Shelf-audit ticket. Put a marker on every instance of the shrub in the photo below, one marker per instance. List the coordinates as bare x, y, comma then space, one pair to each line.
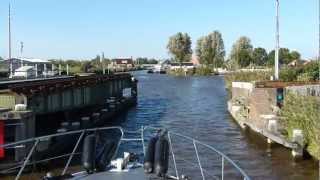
303, 112
289, 74
203, 71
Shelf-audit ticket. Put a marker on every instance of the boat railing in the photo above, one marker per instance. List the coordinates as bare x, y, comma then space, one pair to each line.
224, 158
35, 141
138, 137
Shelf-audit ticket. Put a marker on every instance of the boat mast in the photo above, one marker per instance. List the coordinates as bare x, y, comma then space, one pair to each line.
276, 62
9, 26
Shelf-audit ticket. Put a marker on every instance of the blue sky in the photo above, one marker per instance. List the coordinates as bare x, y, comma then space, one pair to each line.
121, 28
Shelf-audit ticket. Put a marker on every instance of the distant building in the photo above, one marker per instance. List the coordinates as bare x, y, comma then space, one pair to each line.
184, 65
41, 67
297, 62
122, 63
25, 72
195, 60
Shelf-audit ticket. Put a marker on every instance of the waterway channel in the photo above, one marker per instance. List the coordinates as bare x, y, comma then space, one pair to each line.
196, 106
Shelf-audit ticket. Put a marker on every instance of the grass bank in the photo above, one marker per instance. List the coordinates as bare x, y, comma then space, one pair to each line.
303, 112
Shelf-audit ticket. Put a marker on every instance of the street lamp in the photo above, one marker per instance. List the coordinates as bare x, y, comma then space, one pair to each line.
276, 62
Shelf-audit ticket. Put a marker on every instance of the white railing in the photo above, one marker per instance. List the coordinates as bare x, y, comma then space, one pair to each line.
140, 139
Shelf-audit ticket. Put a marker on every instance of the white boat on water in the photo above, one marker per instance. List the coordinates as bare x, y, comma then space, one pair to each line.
102, 154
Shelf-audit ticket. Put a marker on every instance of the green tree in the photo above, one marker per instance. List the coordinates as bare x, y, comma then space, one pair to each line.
259, 56
179, 46
1, 59
284, 56
295, 55
142, 60
199, 51
210, 49
241, 52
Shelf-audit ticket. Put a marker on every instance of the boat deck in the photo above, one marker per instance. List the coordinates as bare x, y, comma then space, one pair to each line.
132, 174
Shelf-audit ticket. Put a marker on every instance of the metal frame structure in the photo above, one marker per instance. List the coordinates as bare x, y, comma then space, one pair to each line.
22, 165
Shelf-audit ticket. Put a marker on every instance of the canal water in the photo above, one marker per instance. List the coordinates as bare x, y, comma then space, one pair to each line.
197, 107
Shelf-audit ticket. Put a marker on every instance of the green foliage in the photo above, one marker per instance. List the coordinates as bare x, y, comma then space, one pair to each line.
210, 50
1, 59
303, 112
144, 60
309, 72
241, 52
259, 56
285, 56
289, 74
295, 55
203, 71
179, 46
312, 69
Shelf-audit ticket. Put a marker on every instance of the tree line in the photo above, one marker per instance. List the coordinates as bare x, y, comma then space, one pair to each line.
210, 51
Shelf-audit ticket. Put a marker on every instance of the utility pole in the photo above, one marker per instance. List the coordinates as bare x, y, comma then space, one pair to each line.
276, 61
9, 43
103, 63
21, 52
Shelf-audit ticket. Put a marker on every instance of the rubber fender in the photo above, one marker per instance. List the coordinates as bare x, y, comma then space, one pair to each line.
149, 156
161, 157
89, 153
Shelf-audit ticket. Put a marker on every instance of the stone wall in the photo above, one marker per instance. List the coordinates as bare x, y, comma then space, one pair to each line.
241, 90
261, 103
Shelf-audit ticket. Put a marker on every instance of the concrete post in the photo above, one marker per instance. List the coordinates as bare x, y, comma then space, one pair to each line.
297, 137
273, 126
52, 69
59, 70
36, 70
67, 69
45, 70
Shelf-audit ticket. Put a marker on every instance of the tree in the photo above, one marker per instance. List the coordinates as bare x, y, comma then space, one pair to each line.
285, 56
179, 46
142, 60
210, 49
1, 59
241, 52
295, 55
259, 56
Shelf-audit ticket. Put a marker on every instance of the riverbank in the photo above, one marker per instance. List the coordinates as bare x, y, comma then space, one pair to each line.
196, 106
283, 112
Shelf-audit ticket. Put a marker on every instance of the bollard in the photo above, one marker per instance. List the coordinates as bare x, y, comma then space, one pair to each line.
104, 111
273, 126
112, 106
64, 125
297, 137
85, 122
75, 126
62, 130
95, 117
